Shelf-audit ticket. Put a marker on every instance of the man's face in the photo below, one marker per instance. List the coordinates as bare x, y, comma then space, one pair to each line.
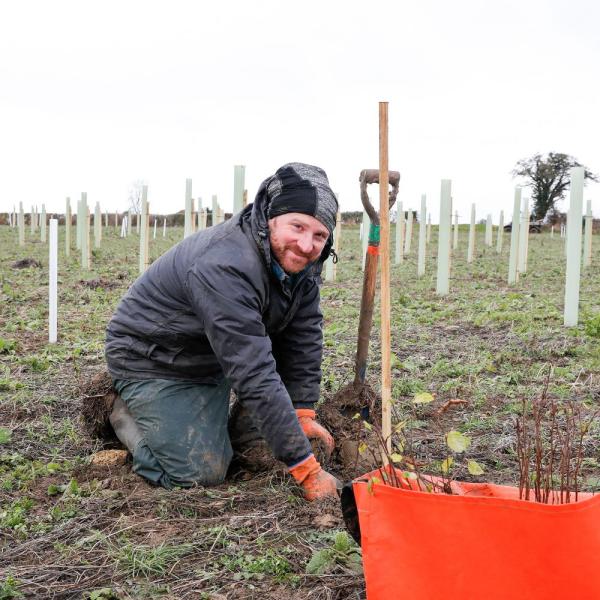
296, 240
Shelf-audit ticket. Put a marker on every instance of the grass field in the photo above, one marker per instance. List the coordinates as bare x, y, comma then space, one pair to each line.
71, 530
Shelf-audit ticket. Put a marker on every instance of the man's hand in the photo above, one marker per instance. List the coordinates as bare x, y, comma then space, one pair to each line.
315, 482
312, 429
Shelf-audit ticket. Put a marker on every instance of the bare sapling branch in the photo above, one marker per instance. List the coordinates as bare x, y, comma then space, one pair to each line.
551, 436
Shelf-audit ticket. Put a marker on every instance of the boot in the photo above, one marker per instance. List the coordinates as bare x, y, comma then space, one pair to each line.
124, 425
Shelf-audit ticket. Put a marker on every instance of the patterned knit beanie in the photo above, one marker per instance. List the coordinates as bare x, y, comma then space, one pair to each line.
301, 188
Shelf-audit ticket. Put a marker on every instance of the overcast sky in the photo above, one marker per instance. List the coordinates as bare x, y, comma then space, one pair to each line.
94, 96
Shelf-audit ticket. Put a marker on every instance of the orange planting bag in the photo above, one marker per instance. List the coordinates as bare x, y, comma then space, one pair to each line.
482, 542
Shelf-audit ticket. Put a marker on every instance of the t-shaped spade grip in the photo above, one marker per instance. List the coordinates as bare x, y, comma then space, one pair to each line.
372, 176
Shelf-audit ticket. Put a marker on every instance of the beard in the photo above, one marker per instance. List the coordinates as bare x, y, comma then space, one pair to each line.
290, 258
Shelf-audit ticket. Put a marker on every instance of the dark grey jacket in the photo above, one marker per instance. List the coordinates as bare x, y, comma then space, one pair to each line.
211, 307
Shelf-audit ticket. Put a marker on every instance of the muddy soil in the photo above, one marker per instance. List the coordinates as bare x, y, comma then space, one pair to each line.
26, 263
97, 397
344, 415
99, 283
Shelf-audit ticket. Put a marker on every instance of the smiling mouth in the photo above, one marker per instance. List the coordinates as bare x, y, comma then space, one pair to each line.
300, 258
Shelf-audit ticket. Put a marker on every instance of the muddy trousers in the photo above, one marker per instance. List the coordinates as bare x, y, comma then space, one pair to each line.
184, 431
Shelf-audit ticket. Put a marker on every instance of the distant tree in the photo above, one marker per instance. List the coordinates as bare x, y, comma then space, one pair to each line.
135, 196
352, 216
548, 177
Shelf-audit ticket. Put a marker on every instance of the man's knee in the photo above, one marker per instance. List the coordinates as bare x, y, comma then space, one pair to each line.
187, 468
206, 467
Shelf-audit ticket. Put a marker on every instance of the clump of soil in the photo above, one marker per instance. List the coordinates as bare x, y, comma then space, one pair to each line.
109, 458
251, 453
338, 416
251, 458
25, 263
94, 284
97, 398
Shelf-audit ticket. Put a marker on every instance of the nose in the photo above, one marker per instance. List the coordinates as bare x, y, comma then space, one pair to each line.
305, 243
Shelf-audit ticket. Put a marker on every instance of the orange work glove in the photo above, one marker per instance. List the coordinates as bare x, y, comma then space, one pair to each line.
315, 482
306, 418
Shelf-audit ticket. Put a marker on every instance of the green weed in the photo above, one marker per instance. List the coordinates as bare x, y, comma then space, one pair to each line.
250, 566
5, 435
102, 594
15, 515
592, 326
7, 346
16, 471
343, 554
36, 364
9, 588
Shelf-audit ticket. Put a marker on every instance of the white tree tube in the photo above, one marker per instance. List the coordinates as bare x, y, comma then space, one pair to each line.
455, 238
53, 282
21, 225
188, 227
68, 222
198, 213
488, 231
338, 229
513, 261
409, 228
571, 314
239, 173
399, 254
471, 247
587, 243
331, 271
83, 228
215, 210
78, 221
429, 228
97, 225
422, 238
43, 224
524, 237
143, 222
443, 270
500, 237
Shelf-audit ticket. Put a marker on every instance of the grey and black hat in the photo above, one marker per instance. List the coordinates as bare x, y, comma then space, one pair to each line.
302, 188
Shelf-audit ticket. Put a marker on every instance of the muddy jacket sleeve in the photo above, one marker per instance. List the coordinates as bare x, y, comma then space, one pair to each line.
230, 305
298, 351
